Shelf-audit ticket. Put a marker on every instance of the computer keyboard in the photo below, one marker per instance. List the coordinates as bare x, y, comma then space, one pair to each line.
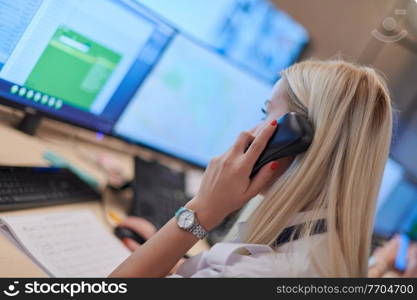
158, 192
24, 187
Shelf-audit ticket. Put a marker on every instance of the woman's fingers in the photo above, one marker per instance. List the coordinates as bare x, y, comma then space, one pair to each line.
259, 143
131, 244
257, 134
254, 131
262, 178
243, 141
141, 226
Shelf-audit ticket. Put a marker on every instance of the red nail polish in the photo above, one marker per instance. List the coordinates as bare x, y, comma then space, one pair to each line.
274, 123
274, 166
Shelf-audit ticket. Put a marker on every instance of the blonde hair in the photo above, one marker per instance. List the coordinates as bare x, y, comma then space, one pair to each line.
350, 109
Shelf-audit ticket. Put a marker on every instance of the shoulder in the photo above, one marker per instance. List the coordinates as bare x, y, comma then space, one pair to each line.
295, 259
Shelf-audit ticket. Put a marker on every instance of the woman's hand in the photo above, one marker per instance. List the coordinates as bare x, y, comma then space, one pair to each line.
226, 185
145, 229
141, 226
385, 260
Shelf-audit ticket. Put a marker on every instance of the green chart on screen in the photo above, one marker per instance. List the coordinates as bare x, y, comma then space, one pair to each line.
73, 67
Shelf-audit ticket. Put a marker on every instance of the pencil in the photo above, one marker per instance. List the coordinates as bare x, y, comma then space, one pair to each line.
115, 217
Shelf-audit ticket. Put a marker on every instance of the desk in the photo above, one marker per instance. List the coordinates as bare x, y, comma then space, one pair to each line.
20, 149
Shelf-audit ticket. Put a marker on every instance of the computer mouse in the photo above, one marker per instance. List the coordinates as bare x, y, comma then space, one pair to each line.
293, 136
124, 232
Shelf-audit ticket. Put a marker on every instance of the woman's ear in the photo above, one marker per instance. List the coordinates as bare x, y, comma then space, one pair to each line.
278, 105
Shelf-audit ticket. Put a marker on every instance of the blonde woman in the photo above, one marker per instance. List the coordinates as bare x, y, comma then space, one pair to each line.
335, 181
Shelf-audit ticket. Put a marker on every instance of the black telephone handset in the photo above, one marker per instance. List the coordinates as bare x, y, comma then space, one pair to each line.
293, 136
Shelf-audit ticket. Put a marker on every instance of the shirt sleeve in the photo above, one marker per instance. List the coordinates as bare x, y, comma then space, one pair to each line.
223, 261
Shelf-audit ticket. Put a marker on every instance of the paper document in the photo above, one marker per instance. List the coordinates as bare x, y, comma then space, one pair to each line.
66, 244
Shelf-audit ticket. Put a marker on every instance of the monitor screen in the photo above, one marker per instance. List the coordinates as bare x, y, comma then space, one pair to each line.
67, 60
132, 76
254, 33
393, 174
398, 214
397, 202
193, 104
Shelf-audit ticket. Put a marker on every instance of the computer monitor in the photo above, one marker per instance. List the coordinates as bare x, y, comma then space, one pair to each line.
398, 214
76, 61
397, 202
255, 33
394, 173
193, 104
114, 67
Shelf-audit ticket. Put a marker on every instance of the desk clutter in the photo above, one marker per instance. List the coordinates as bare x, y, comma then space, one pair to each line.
66, 244
35, 253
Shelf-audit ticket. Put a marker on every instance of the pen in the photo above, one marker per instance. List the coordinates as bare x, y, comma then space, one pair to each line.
115, 217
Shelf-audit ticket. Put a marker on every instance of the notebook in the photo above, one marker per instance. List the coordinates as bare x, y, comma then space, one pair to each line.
66, 244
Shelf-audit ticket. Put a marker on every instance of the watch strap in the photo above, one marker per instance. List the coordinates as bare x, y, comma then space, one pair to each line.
199, 231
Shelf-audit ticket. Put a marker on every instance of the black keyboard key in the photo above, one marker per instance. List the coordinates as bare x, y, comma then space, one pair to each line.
23, 187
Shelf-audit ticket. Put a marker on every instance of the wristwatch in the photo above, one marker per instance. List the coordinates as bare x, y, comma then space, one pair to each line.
187, 220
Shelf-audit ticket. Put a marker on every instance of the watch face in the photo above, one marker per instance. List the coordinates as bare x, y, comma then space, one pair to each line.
186, 219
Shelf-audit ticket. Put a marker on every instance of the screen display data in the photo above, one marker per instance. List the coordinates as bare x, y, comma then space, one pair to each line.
397, 203
254, 33
115, 67
193, 104
66, 58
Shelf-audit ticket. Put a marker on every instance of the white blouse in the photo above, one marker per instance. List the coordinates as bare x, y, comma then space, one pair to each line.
294, 259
